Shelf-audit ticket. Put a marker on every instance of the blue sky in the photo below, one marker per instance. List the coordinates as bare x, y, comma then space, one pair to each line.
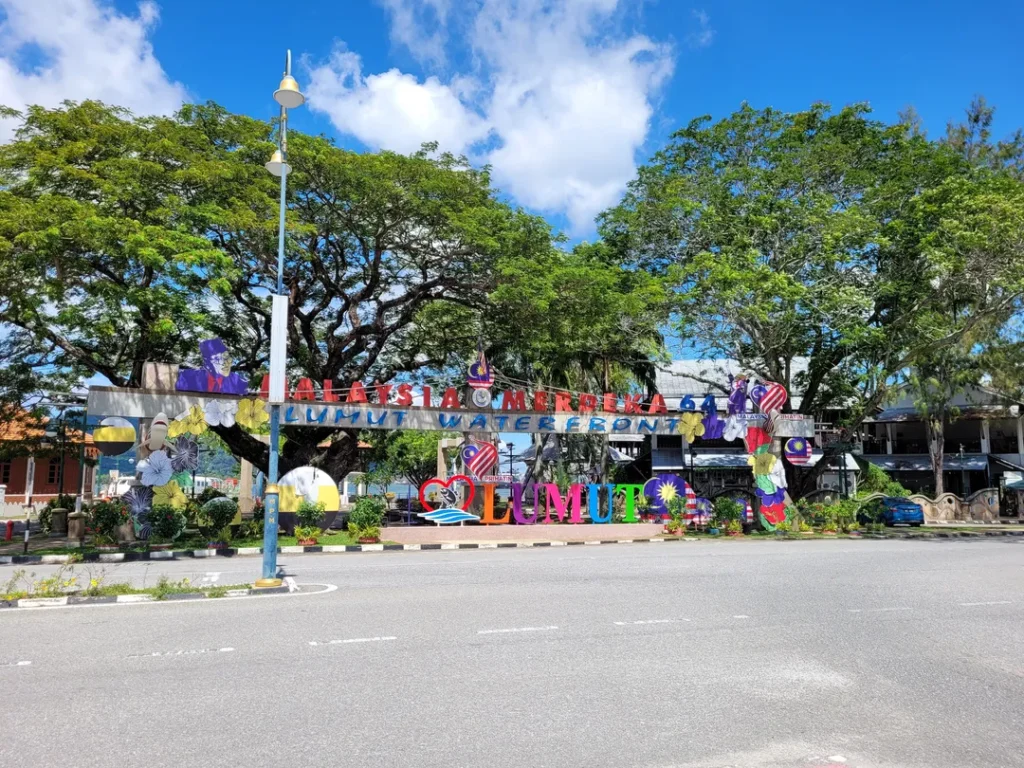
561, 97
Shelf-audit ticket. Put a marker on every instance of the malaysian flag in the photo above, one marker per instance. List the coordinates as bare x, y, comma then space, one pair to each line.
774, 398
478, 457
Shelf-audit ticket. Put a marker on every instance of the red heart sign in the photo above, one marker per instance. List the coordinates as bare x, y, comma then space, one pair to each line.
448, 484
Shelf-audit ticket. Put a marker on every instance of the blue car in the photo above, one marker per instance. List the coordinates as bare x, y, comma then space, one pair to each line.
894, 510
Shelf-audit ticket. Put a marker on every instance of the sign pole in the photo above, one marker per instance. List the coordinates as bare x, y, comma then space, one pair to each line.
270, 510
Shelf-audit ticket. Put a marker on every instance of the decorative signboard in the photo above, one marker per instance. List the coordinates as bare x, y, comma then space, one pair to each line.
626, 419
214, 396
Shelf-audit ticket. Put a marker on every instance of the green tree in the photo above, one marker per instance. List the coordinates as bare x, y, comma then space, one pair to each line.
578, 321
821, 250
409, 454
126, 239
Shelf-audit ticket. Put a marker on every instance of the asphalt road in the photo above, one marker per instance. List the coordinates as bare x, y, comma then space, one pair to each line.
859, 653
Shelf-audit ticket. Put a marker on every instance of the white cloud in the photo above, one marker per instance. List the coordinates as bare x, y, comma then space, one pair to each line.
558, 101
419, 25
87, 50
392, 110
704, 35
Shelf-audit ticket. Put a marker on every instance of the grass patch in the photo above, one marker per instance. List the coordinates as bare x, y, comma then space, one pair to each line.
66, 582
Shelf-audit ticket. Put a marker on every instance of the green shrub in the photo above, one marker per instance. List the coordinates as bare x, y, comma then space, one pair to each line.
309, 514
218, 513
105, 517
875, 480
208, 494
251, 529
193, 513
365, 519
166, 523
727, 510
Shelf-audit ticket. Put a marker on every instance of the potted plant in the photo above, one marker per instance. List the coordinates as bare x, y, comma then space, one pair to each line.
734, 528
215, 521
106, 518
783, 528
166, 523
307, 535
805, 528
365, 519
307, 516
676, 524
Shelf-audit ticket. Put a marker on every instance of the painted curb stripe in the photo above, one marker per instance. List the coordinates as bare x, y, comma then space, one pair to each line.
116, 557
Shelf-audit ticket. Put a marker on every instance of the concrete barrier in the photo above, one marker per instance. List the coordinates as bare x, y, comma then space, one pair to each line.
426, 534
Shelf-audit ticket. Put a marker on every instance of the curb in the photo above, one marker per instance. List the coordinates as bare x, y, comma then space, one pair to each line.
60, 602
181, 554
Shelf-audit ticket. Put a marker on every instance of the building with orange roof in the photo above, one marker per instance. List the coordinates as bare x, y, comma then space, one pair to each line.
39, 462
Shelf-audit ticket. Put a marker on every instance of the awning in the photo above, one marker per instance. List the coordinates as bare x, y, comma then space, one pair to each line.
1006, 464
835, 461
720, 460
896, 463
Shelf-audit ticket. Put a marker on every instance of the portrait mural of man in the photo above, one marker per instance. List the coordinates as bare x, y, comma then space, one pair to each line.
215, 375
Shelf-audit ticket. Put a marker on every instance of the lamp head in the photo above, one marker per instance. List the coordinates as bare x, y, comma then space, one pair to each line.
276, 165
288, 94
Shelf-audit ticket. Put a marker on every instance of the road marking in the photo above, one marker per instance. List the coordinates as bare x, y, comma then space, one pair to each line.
646, 621
741, 616
514, 629
211, 578
878, 610
17, 664
156, 654
353, 640
990, 602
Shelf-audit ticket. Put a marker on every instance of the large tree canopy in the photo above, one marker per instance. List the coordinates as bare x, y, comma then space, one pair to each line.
128, 239
825, 236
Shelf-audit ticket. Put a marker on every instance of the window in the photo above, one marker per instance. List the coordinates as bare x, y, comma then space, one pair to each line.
52, 470
5, 473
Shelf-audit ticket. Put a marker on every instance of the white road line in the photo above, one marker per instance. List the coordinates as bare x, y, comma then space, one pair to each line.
990, 602
156, 654
211, 578
646, 621
741, 616
17, 664
353, 640
878, 610
513, 629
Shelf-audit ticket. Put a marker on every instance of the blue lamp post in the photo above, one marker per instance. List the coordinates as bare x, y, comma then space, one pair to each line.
288, 96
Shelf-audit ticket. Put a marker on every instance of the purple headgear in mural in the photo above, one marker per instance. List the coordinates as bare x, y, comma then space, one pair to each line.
215, 375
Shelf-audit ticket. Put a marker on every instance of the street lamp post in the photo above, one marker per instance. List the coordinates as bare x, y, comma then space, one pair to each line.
963, 473
288, 96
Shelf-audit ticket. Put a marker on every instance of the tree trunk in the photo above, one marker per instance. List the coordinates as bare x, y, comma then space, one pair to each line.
935, 432
301, 448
